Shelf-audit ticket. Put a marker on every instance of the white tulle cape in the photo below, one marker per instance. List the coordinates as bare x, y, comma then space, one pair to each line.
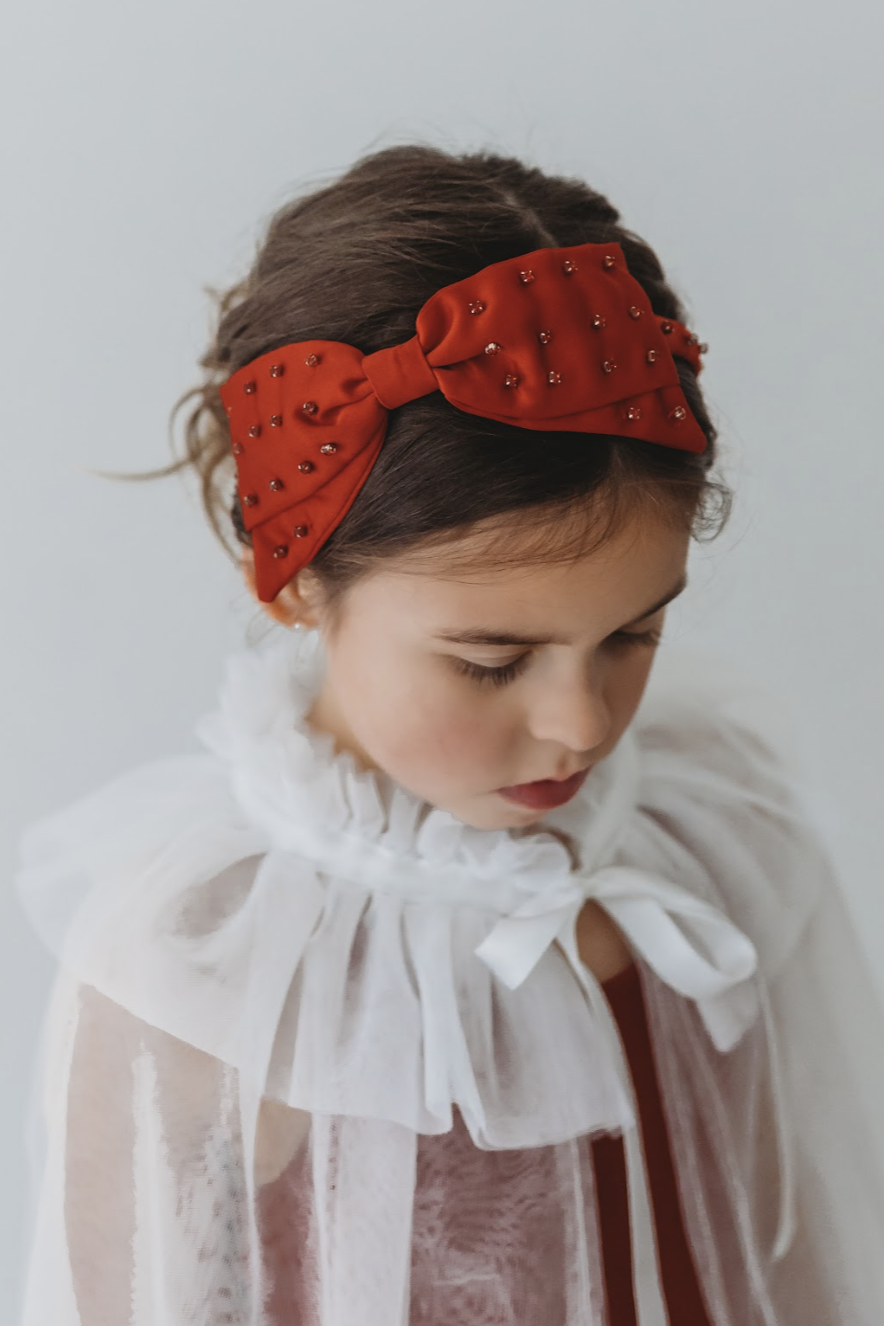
280, 971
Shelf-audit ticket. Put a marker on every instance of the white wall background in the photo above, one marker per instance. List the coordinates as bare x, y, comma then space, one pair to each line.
142, 146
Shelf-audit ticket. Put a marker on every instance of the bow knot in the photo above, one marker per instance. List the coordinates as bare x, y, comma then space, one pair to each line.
399, 374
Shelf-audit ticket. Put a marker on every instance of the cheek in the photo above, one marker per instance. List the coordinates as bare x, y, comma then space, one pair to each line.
440, 728
627, 688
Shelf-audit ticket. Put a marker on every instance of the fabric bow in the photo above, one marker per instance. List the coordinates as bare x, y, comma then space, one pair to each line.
705, 958
558, 339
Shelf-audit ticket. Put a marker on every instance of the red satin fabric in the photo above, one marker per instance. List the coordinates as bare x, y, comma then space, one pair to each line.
464, 1193
555, 340
683, 1297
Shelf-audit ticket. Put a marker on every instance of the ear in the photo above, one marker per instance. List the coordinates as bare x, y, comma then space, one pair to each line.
289, 606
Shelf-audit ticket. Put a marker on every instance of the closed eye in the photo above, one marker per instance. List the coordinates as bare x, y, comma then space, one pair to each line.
501, 676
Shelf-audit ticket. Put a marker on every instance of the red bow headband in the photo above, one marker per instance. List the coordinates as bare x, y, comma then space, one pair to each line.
556, 340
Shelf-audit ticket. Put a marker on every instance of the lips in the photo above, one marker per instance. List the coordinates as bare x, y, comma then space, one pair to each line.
546, 794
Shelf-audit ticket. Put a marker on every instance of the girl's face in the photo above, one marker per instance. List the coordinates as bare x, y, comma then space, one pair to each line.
414, 689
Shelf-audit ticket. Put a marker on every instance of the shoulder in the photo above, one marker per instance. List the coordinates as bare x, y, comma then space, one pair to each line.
724, 795
177, 813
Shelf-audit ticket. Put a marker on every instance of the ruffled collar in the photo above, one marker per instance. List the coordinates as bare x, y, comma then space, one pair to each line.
308, 795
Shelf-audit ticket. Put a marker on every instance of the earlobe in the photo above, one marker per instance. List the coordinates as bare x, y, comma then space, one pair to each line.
287, 608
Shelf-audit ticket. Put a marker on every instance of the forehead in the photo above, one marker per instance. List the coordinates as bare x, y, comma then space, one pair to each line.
478, 583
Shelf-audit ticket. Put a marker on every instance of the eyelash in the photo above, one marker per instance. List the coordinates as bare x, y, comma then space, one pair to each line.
501, 676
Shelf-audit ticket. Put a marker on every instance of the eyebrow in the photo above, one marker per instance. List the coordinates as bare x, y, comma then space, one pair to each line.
483, 636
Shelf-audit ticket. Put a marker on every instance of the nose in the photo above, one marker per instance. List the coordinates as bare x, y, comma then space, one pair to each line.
573, 713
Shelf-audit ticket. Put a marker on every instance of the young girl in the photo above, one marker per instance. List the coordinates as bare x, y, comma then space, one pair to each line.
466, 978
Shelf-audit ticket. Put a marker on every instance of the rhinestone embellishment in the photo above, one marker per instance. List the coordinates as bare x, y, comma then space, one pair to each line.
277, 370
633, 412
250, 388
250, 499
666, 328
608, 261
280, 550
553, 378
478, 306
277, 485
526, 277
693, 338
310, 407
312, 360
651, 356
608, 365
678, 413
276, 421
255, 430
568, 267
599, 321
301, 531
544, 337
238, 448
328, 448
306, 466
492, 348
511, 380
635, 311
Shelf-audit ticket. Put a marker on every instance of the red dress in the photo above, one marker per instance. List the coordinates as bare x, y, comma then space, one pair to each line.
468, 1199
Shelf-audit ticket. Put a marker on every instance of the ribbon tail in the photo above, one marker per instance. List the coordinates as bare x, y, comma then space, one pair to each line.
787, 1217
646, 1275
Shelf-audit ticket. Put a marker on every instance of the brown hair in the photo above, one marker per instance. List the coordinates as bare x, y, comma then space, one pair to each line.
353, 261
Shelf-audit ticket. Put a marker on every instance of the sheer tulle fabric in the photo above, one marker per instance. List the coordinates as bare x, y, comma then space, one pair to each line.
320, 1052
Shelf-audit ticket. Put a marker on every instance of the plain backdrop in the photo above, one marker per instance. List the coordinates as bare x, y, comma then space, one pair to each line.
144, 146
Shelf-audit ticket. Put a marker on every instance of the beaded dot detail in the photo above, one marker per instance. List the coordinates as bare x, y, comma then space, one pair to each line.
478, 306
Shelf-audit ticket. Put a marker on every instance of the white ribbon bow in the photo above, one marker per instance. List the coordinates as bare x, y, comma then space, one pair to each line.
696, 950
644, 906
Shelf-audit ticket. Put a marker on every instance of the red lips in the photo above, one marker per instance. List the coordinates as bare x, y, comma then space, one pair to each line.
548, 793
